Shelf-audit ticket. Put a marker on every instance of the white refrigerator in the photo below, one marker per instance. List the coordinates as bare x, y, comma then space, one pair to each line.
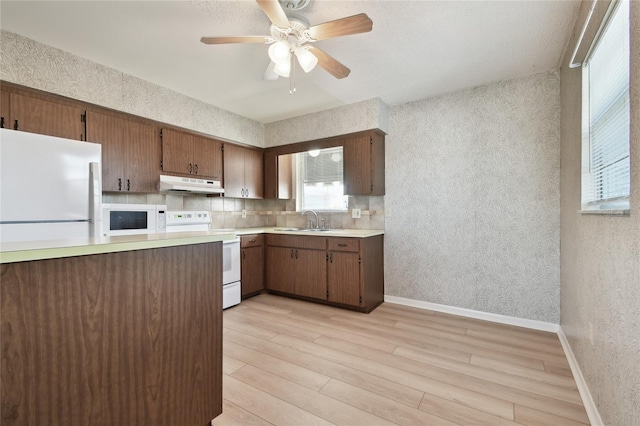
50, 188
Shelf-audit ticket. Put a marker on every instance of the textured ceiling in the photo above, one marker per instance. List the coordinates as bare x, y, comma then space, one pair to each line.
417, 49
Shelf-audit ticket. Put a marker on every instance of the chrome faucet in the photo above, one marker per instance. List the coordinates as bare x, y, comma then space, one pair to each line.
311, 220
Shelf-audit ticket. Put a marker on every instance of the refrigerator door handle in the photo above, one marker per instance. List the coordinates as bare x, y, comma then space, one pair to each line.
95, 200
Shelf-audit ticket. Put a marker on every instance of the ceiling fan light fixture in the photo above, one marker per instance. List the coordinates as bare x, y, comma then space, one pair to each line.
306, 59
280, 51
283, 69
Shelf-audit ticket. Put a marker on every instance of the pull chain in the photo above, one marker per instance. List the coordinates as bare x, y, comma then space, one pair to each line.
292, 78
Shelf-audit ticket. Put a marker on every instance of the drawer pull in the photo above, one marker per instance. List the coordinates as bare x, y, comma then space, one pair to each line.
342, 245
252, 241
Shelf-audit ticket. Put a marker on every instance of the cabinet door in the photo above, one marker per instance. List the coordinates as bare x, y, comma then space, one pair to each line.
311, 273
4, 110
252, 270
253, 173
143, 155
233, 165
270, 175
45, 117
357, 165
106, 130
177, 152
344, 278
281, 269
285, 177
207, 157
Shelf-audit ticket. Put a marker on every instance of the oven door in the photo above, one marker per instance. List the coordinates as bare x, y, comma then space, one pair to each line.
231, 261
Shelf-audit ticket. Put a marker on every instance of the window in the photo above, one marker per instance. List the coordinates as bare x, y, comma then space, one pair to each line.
319, 180
606, 116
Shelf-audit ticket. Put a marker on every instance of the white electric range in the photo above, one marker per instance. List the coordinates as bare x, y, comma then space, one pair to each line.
194, 221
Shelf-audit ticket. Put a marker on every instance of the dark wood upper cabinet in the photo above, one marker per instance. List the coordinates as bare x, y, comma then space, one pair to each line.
35, 115
243, 172
190, 154
130, 152
278, 176
364, 163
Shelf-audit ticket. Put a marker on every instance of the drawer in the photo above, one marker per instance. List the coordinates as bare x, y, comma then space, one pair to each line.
297, 241
343, 244
256, 240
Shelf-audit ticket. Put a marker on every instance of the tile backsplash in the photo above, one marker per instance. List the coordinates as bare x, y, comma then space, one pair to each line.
227, 212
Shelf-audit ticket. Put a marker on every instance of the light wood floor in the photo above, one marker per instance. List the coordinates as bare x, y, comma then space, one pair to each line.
289, 362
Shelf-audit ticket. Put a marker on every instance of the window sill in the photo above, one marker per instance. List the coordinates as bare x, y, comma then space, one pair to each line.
620, 212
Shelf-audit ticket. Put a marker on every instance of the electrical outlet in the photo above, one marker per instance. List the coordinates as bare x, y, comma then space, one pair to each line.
356, 213
244, 214
591, 333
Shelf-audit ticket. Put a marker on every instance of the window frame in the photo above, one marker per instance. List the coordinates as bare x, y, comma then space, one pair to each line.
589, 204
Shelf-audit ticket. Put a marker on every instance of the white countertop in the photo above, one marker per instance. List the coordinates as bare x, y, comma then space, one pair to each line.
51, 249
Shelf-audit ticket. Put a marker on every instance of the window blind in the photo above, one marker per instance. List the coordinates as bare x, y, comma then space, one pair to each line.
609, 117
320, 180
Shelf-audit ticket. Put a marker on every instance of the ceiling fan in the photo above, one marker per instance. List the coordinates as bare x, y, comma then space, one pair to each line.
291, 38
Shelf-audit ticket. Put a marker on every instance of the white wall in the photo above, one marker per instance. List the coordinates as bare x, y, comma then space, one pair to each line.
33, 64
473, 199
601, 256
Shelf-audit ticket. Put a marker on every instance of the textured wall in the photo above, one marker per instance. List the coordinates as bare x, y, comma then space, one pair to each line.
365, 115
473, 199
600, 259
32, 64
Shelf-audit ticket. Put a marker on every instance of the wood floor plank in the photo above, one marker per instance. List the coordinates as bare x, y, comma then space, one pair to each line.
487, 388
232, 415
229, 365
459, 413
439, 388
332, 410
260, 403
471, 340
518, 382
321, 327
381, 386
554, 348
372, 333
530, 417
530, 373
273, 326
394, 412
292, 372
291, 362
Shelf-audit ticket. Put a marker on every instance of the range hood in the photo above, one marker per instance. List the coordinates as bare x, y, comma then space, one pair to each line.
177, 184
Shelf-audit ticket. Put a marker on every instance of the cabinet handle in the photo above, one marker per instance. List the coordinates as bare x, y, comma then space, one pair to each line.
15, 125
296, 254
342, 245
244, 254
119, 184
252, 241
128, 185
331, 257
292, 254
190, 168
196, 169
2, 122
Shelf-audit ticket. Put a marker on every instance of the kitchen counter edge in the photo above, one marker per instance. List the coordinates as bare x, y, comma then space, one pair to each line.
54, 249
348, 233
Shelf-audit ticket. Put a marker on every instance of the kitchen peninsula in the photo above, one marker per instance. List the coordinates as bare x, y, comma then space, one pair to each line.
120, 330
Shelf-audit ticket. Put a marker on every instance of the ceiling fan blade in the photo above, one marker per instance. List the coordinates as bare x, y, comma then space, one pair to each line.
355, 24
331, 65
274, 12
269, 73
239, 39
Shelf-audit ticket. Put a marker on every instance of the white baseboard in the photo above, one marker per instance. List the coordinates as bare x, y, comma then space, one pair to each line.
502, 319
587, 400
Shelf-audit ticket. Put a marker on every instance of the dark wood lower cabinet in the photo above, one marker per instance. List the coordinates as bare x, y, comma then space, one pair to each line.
129, 338
347, 272
252, 264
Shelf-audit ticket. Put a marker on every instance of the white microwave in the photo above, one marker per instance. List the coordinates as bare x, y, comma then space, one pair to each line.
132, 219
